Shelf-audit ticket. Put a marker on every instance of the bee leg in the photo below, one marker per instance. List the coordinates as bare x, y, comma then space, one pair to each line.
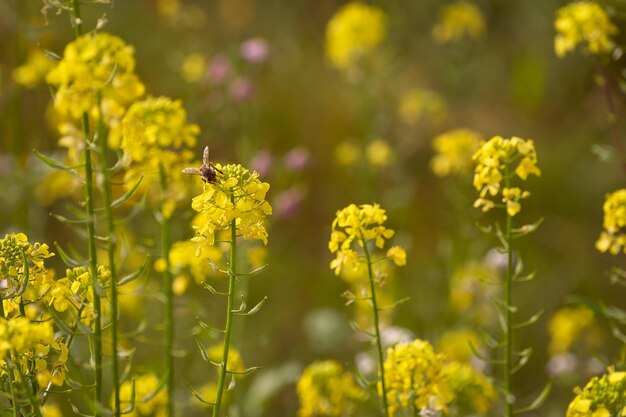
215, 168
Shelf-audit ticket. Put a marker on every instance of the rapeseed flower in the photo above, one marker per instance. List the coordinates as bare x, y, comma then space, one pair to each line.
353, 33
603, 396
583, 22
158, 143
360, 225
238, 195
613, 238
150, 400
474, 393
414, 377
34, 71
453, 152
498, 162
418, 104
325, 390
459, 20
92, 65
570, 324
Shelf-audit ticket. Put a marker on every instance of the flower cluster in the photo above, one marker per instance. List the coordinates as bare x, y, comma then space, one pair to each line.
500, 160
150, 400
238, 195
324, 389
613, 238
473, 392
602, 397
74, 293
458, 20
570, 324
353, 33
414, 377
472, 290
32, 347
417, 377
583, 22
157, 140
418, 104
360, 225
34, 70
95, 64
454, 150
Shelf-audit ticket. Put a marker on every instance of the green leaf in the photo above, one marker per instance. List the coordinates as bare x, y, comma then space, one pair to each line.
524, 355
136, 274
528, 322
246, 372
541, 398
198, 396
207, 327
131, 407
127, 195
253, 310
67, 259
203, 351
53, 163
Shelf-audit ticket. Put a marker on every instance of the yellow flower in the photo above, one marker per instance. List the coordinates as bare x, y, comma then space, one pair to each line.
52, 410
359, 225
34, 70
456, 344
168, 8
147, 403
570, 324
453, 152
347, 153
458, 20
583, 22
379, 153
239, 196
353, 33
397, 255
414, 376
473, 392
324, 389
417, 104
235, 363
193, 68
613, 238
497, 161
96, 63
603, 396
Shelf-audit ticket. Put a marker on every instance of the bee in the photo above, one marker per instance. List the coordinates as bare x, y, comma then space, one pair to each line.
206, 171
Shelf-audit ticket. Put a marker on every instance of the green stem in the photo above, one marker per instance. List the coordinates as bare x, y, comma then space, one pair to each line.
169, 303
91, 234
102, 140
232, 275
29, 394
508, 333
14, 399
379, 347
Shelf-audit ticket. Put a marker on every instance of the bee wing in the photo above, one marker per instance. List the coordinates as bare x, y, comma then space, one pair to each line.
205, 156
192, 171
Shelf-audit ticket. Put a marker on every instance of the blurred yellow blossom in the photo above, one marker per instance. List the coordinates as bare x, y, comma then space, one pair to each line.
459, 20
193, 68
456, 344
498, 161
51, 410
238, 195
414, 377
453, 152
186, 263
603, 396
34, 70
235, 363
583, 22
256, 256
472, 287
569, 324
347, 153
417, 104
168, 8
353, 33
613, 238
473, 392
379, 153
325, 390
149, 399
95, 63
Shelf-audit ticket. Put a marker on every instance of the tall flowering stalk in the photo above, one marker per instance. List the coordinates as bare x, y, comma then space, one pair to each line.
156, 139
358, 227
499, 164
233, 201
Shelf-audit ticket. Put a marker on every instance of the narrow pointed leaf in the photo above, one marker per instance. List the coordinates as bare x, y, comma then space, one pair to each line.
528, 322
198, 397
135, 274
203, 351
127, 195
254, 309
53, 163
207, 327
131, 406
66, 258
538, 402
